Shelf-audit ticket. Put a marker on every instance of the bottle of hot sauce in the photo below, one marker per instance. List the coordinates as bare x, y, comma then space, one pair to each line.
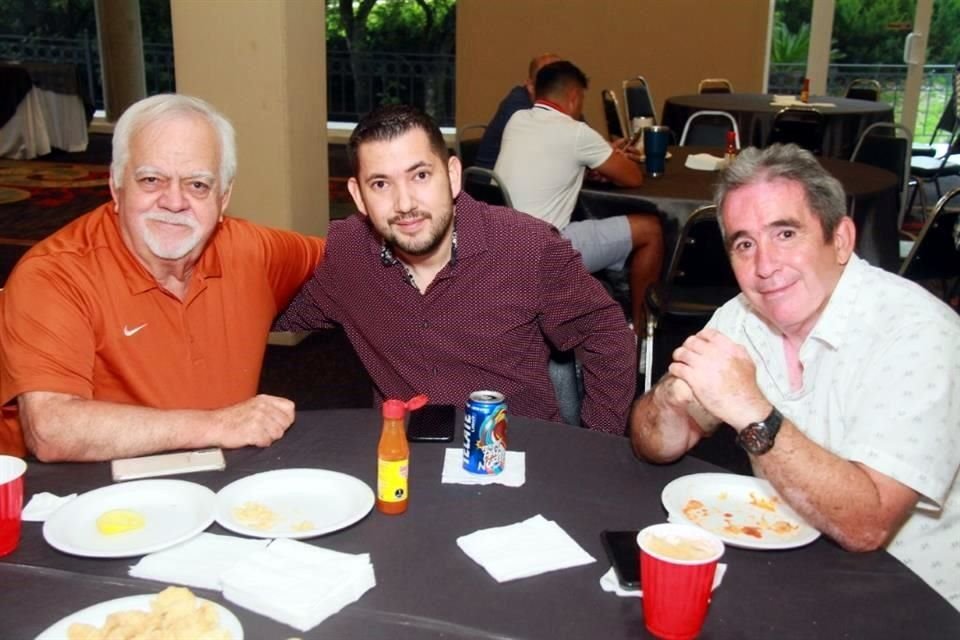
805, 91
393, 456
731, 152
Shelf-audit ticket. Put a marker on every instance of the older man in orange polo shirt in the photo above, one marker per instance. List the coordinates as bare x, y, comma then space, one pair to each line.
141, 326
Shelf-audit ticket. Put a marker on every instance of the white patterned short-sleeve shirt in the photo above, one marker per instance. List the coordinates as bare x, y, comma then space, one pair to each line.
881, 386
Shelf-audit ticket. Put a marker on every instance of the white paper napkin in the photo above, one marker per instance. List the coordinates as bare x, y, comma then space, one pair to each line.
610, 584
42, 506
704, 162
298, 584
524, 549
514, 472
793, 101
198, 562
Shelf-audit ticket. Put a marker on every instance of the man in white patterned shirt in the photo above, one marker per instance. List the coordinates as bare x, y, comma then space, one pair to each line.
841, 380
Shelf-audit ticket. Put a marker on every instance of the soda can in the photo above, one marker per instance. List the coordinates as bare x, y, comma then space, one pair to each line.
485, 433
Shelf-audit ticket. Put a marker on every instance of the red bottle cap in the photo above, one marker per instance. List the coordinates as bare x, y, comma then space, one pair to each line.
397, 409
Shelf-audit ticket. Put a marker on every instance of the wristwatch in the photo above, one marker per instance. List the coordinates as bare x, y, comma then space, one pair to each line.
757, 437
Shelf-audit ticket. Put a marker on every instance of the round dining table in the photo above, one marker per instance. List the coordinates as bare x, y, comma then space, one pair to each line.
871, 192
846, 118
426, 587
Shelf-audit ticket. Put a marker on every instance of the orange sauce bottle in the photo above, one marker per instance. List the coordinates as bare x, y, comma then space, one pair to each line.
393, 457
805, 91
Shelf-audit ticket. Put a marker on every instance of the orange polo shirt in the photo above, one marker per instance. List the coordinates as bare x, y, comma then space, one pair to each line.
81, 315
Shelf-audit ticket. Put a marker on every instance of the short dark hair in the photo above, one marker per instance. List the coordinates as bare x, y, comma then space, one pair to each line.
824, 193
388, 122
558, 76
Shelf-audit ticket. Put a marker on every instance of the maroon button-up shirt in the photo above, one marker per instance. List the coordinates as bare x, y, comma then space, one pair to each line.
485, 322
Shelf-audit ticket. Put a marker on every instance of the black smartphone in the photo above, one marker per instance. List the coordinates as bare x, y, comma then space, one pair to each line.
432, 423
621, 547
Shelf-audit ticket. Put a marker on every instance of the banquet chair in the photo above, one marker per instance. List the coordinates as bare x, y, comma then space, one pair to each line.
935, 255
929, 169
467, 145
486, 186
803, 127
887, 146
715, 85
565, 373
638, 99
946, 126
864, 89
698, 281
709, 129
616, 127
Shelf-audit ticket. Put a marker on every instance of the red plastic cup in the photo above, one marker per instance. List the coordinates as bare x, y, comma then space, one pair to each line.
677, 565
11, 502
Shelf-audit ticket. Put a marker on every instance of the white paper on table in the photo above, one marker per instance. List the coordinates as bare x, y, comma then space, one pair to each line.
42, 506
514, 472
524, 549
704, 162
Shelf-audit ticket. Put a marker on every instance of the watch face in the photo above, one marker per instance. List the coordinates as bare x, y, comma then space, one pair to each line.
755, 439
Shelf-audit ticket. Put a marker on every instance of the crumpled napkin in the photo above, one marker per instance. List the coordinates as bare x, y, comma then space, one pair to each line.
296, 583
610, 584
198, 562
524, 549
795, 101
514, 472
704, 162
42, 506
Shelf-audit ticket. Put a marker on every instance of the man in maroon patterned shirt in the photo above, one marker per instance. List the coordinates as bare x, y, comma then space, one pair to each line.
443, 295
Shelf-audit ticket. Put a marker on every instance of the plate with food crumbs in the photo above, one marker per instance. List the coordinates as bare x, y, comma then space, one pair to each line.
742, 510
293, 503
131, 518
173, 613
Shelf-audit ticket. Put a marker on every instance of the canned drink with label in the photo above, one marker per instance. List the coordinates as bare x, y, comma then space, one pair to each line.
485, 433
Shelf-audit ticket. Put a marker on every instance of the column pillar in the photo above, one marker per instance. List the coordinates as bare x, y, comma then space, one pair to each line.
121, 54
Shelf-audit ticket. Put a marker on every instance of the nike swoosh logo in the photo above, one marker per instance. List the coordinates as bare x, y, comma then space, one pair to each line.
129, 332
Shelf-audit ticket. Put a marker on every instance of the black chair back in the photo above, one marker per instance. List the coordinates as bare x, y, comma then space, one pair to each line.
802, 127
616, 128
864, 89
486, 186
936, 253
469, 143
715, 85
638, 99
887, 146
709, 129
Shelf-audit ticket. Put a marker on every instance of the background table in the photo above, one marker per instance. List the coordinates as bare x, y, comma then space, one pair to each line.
428, 588
42, 106
845, 120
871, 192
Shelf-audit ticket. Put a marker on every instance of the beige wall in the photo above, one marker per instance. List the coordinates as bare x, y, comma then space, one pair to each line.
673, 43
263, 63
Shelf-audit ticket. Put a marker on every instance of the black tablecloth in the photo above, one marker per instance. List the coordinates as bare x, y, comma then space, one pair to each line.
872, 194
846, 119
427, 588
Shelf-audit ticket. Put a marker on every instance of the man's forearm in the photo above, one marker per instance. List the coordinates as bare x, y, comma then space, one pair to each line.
58, 427
664, 425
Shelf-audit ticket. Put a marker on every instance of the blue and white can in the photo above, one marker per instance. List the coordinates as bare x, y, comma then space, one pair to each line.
485, 433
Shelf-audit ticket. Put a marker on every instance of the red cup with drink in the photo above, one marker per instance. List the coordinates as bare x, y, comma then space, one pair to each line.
11, 502
677, 567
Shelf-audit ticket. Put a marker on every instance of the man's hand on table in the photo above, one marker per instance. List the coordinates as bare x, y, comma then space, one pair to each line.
722, 378
259, 421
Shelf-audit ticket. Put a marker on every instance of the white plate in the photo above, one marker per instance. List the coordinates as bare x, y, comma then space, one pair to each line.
174, 511
97, 615
730, 509
304, 502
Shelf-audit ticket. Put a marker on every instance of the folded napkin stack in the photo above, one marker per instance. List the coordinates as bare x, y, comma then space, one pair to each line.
298, 584
514, 472
704, 162
524, 549
198, 562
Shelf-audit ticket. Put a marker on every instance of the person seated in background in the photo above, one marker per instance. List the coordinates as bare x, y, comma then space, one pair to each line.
141, 326
520, 97
841, 380
443, 295
546, 151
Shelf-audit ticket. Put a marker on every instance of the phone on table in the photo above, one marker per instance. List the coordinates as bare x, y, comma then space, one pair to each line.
621, 548
166, 464
432, 423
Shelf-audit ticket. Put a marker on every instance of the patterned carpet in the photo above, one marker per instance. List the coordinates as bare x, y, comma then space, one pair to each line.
37, 198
